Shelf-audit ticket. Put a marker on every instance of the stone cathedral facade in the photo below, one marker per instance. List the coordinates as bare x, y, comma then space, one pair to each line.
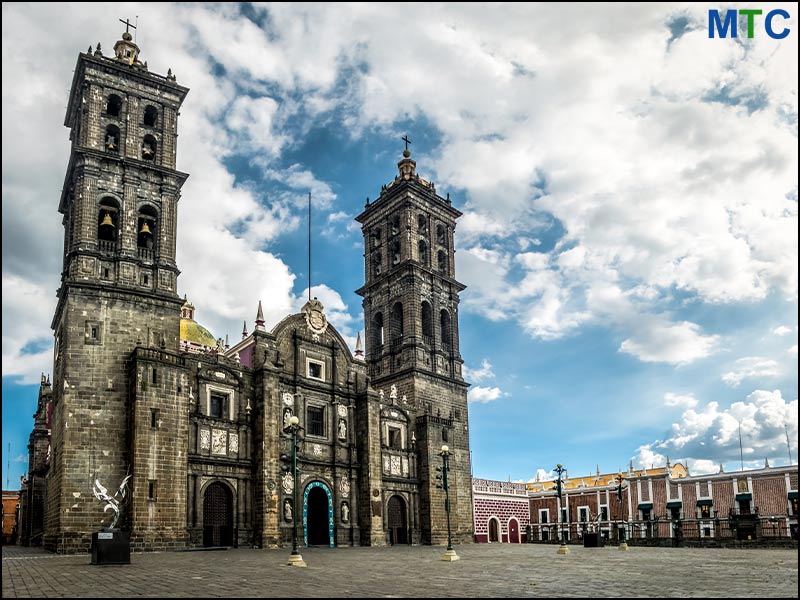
139, 387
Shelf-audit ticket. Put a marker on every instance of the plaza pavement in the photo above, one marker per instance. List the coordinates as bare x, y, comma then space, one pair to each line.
486, 570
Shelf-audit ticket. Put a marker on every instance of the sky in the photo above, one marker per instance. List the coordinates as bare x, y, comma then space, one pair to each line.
629, 190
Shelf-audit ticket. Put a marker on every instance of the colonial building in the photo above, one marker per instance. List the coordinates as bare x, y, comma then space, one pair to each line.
140, 388
645, 506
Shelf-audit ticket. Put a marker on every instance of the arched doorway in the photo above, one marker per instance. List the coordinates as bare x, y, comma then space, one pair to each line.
513, 531
494, 530
398, 530
318, 515
217, 516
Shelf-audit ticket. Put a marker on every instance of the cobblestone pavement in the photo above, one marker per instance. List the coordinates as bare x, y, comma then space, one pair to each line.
496, 570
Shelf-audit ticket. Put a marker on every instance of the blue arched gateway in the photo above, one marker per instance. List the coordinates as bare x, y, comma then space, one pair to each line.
318, 515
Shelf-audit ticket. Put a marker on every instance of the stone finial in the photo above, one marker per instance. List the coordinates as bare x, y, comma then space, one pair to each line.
766, 463
98, 51
359, 349
89, 51
227, 345
260, 318
244, 330
721, 470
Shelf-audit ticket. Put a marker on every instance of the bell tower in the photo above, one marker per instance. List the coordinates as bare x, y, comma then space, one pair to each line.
411, 299
119, 277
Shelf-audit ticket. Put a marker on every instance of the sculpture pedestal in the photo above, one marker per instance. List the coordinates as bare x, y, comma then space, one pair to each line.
111, 547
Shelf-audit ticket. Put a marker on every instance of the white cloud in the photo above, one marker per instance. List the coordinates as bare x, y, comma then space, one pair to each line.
676, 344
782, 330
751, 367
792, 350
484, 395
687, 400
712, 433
480, 374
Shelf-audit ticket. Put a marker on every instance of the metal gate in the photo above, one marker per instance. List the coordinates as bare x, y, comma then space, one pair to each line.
217, 516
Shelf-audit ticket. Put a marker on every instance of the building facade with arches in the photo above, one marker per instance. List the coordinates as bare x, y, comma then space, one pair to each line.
140, 388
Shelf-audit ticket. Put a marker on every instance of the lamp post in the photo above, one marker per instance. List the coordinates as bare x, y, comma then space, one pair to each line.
449, 554
623, 545
295, 559
562, 549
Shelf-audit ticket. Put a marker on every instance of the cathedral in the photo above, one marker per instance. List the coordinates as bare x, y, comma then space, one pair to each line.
139, 388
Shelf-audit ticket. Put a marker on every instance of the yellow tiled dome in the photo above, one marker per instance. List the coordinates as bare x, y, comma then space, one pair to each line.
194, 333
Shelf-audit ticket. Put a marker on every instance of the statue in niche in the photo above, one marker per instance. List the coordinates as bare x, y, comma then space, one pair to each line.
287, 414
342, 429
393, 393
287, 511
345, 513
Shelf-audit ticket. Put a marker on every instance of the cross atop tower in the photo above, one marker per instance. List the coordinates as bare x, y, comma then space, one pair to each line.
406, 140
127, 24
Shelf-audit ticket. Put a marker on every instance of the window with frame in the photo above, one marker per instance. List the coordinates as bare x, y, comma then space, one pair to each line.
395, 438
151, 489
315, 369
563, 515
705, 512
217, 404
543, 516
604, 513
315, 421
583, 514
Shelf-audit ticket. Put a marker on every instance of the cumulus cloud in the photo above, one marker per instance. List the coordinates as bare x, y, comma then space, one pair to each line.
484, 395
480, 374
677, 343
750, 367
688, 400
782, 330
712, 433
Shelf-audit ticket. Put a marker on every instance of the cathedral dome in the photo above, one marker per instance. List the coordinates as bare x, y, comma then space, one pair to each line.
194, 337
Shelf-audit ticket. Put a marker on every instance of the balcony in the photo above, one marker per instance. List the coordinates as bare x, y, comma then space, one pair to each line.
146, 254
107, 247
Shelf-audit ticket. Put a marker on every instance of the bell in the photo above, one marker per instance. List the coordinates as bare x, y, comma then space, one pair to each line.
145, 228
107, 222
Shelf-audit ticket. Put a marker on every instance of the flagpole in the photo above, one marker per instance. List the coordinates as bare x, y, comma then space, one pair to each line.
309, 246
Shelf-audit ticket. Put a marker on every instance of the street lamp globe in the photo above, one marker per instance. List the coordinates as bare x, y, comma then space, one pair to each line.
293, 420
445, 448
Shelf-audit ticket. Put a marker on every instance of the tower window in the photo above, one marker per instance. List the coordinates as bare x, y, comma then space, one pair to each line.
155, 376
151, 489
376, 264
114, 105
422, 252
394, 227
146, 228
395, 253
397, 321
149, 146
376, 237
422, 225
444, 434
316, 421
154, 418
441, 259
444, 323
112, 139
441, 237
150, 116
107, 216
427, 323
377, 331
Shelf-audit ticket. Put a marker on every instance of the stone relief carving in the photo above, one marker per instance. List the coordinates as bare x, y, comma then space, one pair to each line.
233, 442
219, 441
288, 483
205, 439
344, 488
395, 465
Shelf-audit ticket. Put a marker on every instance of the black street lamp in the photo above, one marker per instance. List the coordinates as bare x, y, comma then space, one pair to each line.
450, 554
295, 559
562, 549
623, 545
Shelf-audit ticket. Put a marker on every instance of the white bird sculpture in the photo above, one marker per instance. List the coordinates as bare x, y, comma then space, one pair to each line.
116, 502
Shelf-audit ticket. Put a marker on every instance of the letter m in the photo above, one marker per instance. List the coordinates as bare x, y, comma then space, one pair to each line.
715, 22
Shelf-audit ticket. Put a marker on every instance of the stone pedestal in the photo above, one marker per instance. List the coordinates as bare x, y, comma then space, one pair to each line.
450, 556
111, 547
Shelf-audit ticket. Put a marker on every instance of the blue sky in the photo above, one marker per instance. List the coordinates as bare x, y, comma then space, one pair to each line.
629, 238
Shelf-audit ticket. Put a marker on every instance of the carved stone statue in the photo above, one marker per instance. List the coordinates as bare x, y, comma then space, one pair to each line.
393, 393
117, 502
345, 513
287, 511
342, 429
287, 414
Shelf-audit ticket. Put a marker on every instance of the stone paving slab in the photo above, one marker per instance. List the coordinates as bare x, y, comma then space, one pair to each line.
485, 570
